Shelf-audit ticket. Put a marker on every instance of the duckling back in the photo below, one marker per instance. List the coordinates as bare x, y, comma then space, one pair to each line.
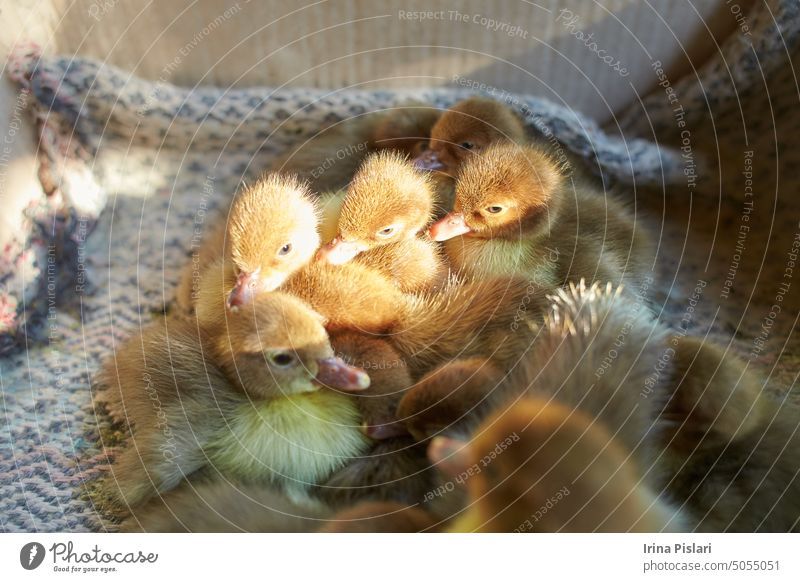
349, 296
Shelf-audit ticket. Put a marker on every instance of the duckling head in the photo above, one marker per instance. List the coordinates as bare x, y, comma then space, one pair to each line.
278, 346
406, 129
387, 201
272, 232
466, 129
507, 192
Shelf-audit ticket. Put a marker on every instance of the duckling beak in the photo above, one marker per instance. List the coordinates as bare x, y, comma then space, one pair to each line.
335, 373
428, 161
450, 456
448, 227
339, 252
244, 290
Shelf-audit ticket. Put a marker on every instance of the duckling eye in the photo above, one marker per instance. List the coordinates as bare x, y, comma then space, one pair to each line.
282, 359
285, 250
385, 232
494, 209
467, 145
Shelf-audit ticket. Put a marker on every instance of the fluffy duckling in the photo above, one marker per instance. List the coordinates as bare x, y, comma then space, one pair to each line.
386, 205
579, 320
254, 403
468, 128
271, 232
546, 467
225, 507
573, 421
702, 430
692, 415
329, 160
517, 213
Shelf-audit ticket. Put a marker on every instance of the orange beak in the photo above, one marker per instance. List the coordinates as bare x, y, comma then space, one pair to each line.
428, 161
448, 227
339, 252
335, 373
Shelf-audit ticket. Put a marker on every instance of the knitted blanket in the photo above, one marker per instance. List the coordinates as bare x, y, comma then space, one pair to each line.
130, 171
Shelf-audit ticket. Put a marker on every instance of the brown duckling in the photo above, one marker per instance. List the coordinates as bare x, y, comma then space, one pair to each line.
329, 160
389, 375
255, 403
516, 213
466, 129
563, 418
542, 466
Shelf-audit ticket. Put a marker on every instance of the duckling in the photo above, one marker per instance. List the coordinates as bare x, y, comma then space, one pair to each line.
702, 432
714, 442
254, 403
468, 128
224, 507
564, 418
515, 213
329, 160
271, 233
579, 320
386, 205
546, 467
